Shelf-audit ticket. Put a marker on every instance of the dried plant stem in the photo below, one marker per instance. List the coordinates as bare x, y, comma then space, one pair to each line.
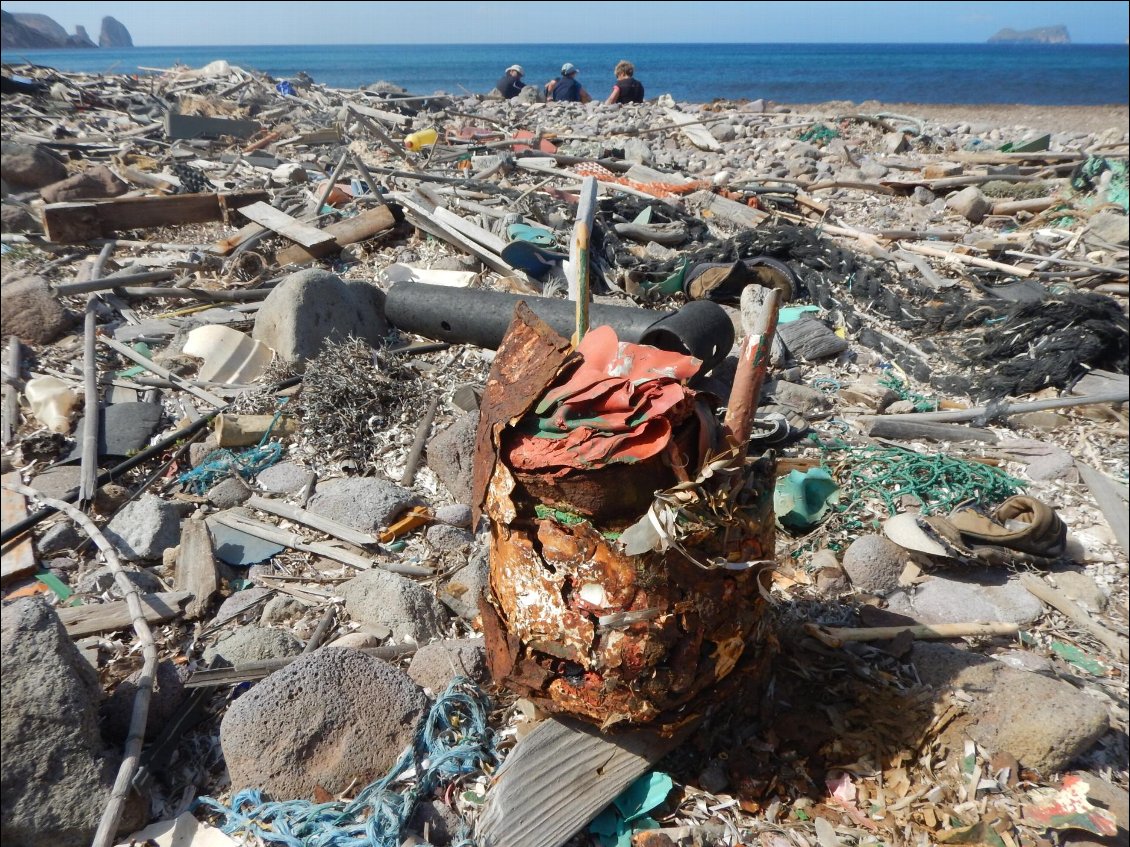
108, 825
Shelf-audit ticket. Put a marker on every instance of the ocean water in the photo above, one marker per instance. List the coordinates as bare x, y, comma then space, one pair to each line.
1056, 75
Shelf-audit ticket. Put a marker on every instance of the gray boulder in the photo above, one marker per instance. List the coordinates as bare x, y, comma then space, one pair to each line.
454, 514
435, 665
448, 539
328, 719
25, 166
451, 456
380, 598
101, 580
229, 493
30, 311
60, 536
14, 218
463, 589
242, 602
54, 778
970, 203
874, 563
284, 478
973, 595
1044, 723
314, 306
253, 644
146, 528
364, 503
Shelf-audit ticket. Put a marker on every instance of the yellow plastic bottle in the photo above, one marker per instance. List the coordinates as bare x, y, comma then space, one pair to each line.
421, 138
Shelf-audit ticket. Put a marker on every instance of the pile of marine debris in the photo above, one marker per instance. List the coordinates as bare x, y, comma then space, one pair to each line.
801, 470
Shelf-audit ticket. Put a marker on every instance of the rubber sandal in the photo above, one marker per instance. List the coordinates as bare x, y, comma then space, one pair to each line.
1020, 523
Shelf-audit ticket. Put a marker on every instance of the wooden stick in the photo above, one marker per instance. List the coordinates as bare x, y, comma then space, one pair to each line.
961, 259
88, 478
374, 187
421, 438
958, 415
183, 384
322, 524
11, 409
321, 631
292, 540
579, 289
834, 636
332, 181
108, 825
1115, 643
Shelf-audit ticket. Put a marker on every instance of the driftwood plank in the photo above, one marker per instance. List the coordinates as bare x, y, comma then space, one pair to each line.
1110, 502
17, 559
199, 126
282, 223
365, 225
558, 778
196, 567
727, 209
87, 220
81, 621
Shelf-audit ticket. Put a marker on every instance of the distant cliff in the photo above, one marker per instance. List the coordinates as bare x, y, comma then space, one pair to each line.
114, 34
1040, 35
27, 31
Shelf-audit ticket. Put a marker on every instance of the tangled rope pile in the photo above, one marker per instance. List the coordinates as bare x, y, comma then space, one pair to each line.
939, 482
453, 741
220, 464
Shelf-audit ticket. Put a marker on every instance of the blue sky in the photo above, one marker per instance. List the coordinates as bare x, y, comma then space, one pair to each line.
220, 23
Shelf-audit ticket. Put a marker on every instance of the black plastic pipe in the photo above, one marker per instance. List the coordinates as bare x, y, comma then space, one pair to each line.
473, 316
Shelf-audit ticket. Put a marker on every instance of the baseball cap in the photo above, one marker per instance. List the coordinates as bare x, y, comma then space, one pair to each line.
517, 68
568, 68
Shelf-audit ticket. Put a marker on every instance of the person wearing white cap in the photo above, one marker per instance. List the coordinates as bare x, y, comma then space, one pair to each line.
511, 83
566, 86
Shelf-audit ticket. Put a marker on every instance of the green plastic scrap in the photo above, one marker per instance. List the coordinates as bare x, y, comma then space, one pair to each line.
60, 588
802, 499
628, 812
560, 515
818, 132
142, 348
1073, 655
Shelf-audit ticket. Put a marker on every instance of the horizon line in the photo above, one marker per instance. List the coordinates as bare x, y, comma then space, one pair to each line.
591, 44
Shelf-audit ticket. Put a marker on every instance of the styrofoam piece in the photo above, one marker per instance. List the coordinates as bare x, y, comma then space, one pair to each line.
229, 356
452, 279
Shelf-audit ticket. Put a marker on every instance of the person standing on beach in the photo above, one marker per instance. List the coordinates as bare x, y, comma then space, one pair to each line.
627, 89
566, 88
511, 83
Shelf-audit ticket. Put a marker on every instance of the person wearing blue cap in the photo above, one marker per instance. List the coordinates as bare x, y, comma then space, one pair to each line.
566, 87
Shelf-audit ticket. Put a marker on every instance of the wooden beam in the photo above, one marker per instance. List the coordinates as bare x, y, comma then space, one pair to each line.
87, 220
349, 231
17, 558
196, 567
558, 778
198, 126
727, 209
92, 619
278, 221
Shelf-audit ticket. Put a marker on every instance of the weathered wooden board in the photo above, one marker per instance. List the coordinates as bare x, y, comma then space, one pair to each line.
196, 567
282, 223
17, 559
558, 778
198, 126
85, 220
349, 231
80, 621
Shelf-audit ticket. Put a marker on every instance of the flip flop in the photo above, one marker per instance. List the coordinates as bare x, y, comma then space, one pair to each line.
533, 234
534, 260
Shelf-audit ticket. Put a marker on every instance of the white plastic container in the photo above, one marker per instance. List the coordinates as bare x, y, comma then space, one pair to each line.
51, 401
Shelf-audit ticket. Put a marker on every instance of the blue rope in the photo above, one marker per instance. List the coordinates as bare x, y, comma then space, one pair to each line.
221, 464
452, 741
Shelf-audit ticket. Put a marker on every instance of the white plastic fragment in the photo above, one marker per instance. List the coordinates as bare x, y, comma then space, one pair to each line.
230, 356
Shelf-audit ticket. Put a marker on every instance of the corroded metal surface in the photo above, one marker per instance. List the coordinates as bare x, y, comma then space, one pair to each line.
579, 626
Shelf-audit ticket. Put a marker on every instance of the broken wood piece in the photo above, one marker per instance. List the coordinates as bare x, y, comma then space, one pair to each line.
86, 220
11, 397
730, 210
329, 526
962, 259
330, 135
17, 557
907, 430
1034, 205
692, 128
1110, 502
95, 618
278, 221
248, 430
179, 127
196, 567
471, 230
836, 636
1117, 395
1115, 643
251, 671
418, 442
369, 223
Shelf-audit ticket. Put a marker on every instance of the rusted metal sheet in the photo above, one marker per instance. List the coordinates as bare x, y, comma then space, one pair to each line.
529, 358
575, 623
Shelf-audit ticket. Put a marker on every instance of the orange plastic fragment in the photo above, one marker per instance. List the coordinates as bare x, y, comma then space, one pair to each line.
414, 518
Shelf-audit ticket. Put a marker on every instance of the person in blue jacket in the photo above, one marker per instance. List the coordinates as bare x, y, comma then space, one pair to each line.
511, 83
566, 88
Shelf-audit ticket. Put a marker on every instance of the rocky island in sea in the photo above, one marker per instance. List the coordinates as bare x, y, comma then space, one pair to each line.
1040, 35
31, 31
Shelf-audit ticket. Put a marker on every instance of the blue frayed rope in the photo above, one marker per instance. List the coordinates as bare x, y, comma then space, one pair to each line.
451, 742
221, 464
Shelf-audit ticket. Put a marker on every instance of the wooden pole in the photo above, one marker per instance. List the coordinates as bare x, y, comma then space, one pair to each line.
753, 362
